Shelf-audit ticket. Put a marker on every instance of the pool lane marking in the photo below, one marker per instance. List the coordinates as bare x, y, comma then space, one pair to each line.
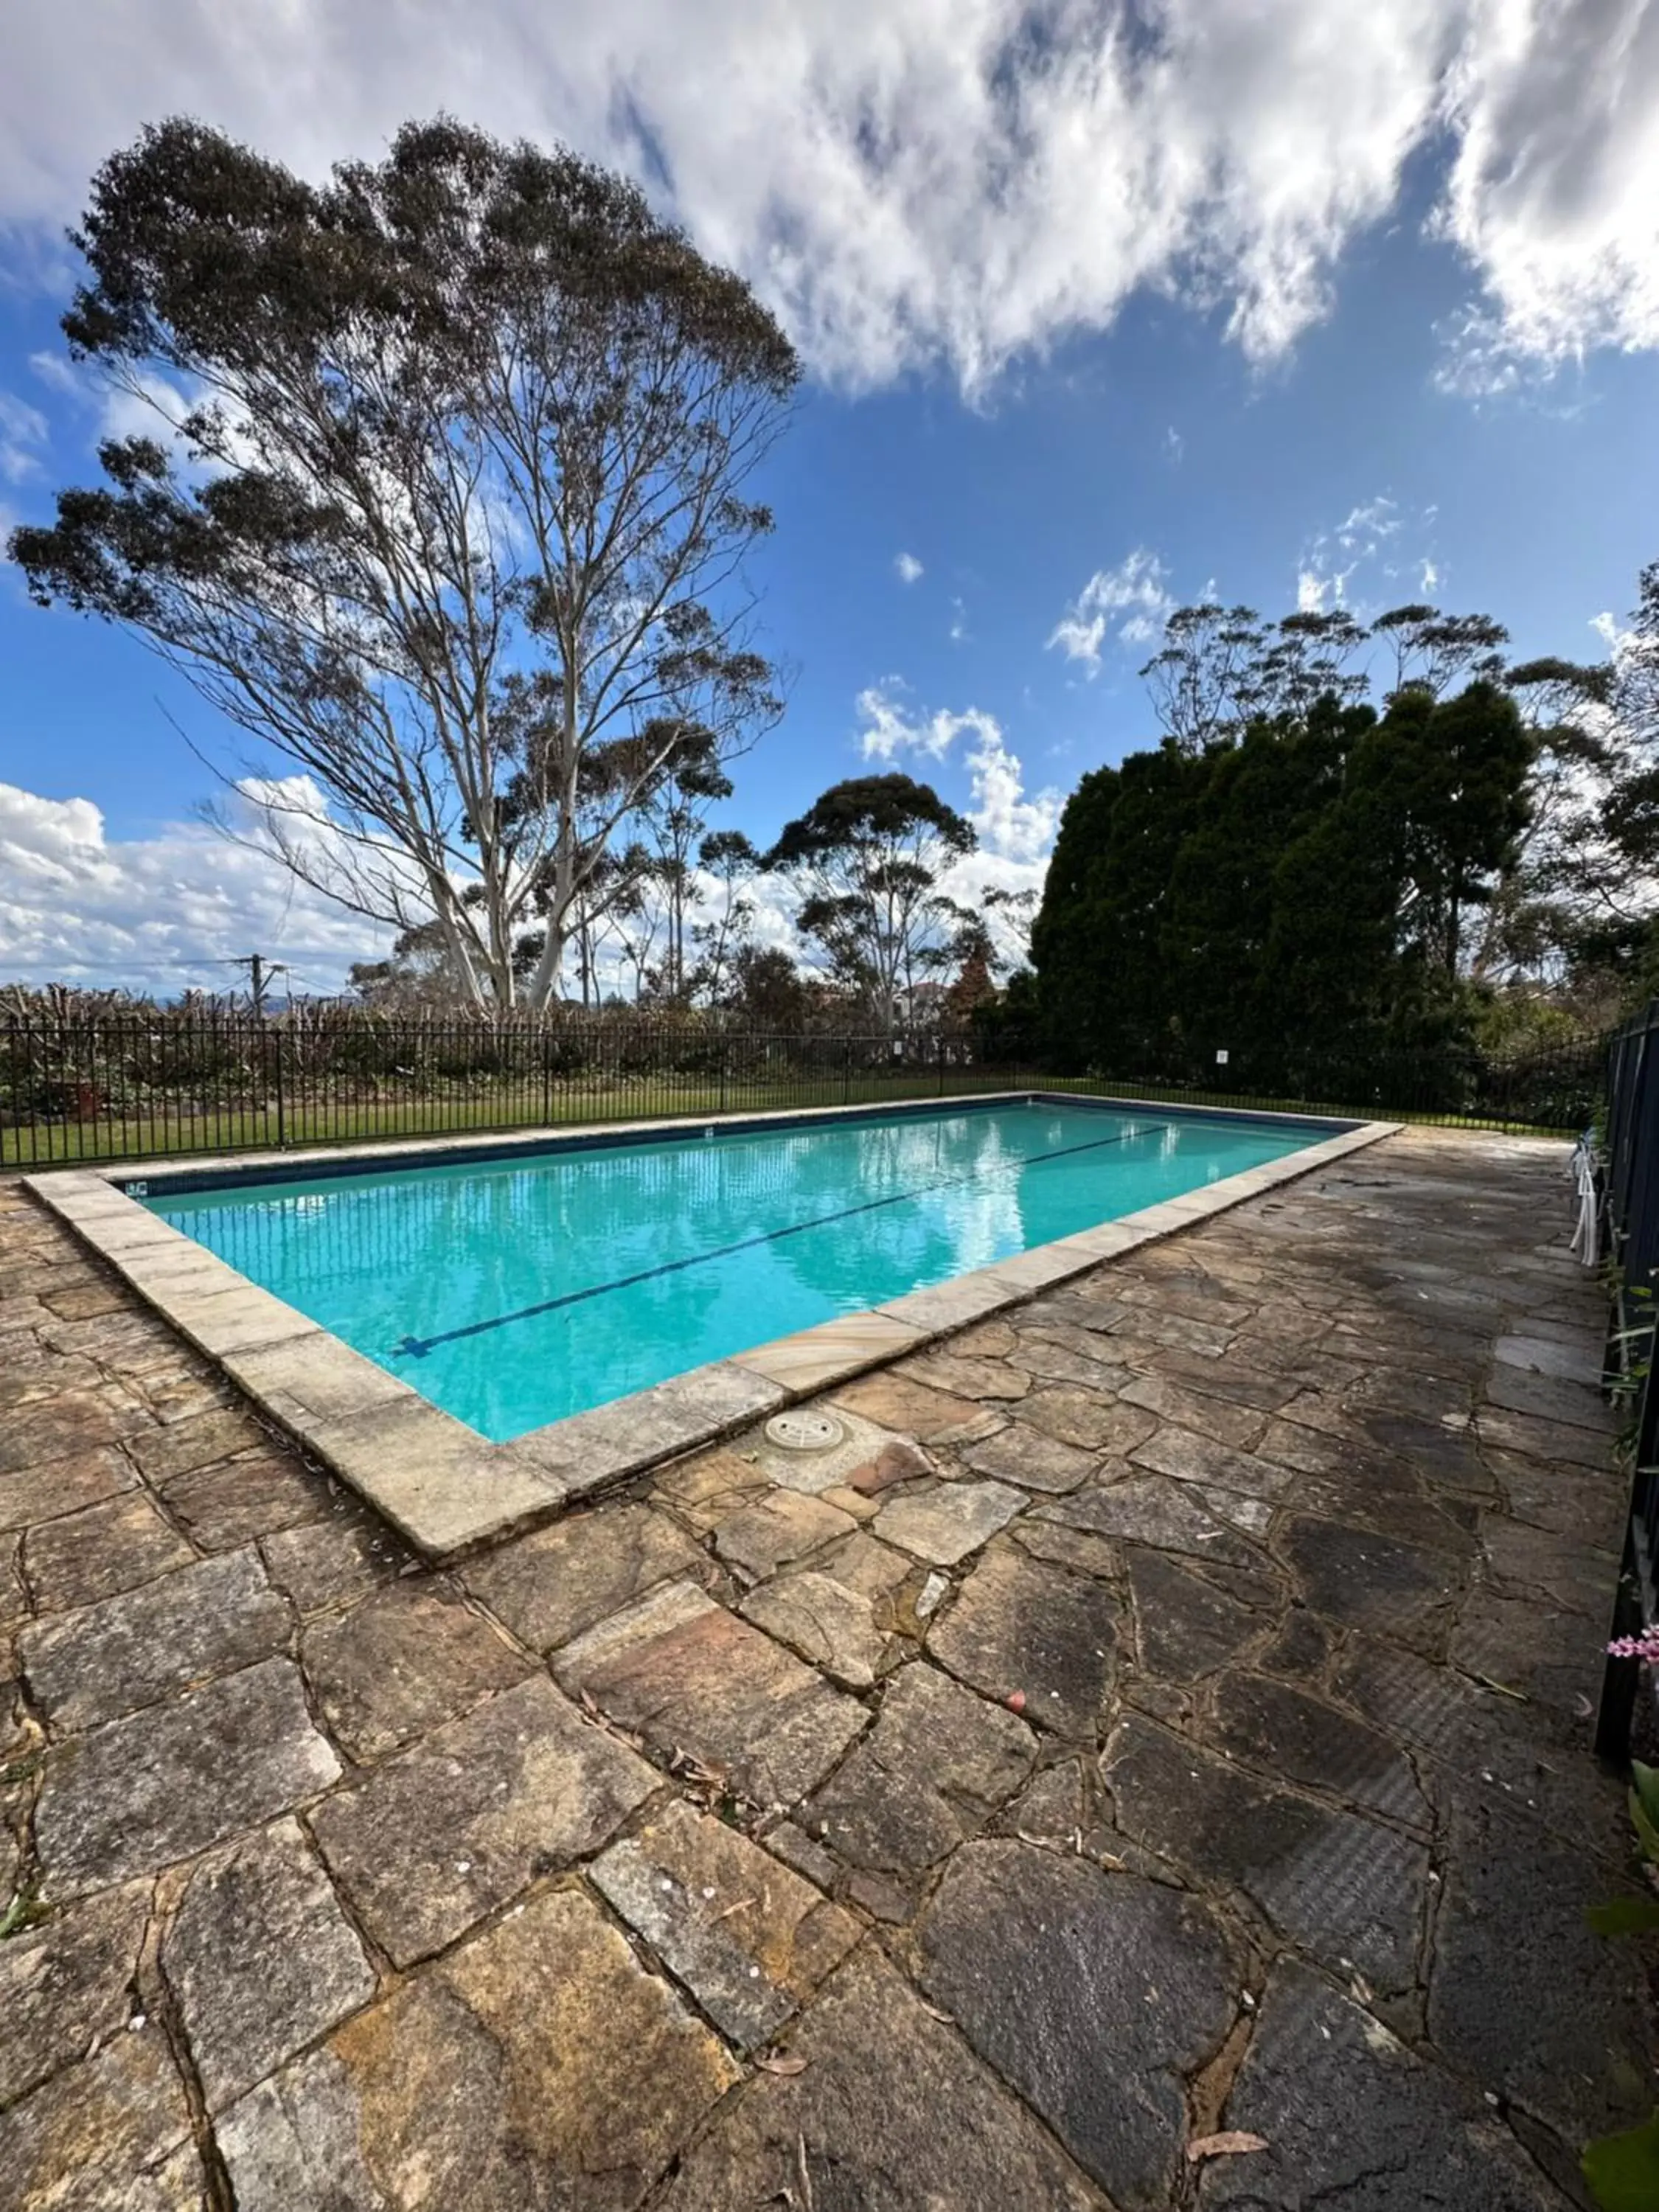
417, 1346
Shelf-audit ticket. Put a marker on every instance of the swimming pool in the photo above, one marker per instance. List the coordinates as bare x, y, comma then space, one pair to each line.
512, 1292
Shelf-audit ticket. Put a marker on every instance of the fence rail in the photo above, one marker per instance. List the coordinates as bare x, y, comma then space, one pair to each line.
105, 1088
1630, 1219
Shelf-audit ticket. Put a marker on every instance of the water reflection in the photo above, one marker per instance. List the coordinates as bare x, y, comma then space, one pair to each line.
535, 1287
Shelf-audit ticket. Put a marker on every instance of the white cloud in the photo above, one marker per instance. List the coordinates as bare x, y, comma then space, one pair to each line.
959, 631
909, 568
1174, 445
1016, 832
157, 913
1364, 559
1138, 589
22, 435
915, 182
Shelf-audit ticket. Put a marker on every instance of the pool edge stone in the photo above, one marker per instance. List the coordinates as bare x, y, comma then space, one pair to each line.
449, 1490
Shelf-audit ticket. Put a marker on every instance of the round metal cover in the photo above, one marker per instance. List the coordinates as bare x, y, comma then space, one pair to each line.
805, 1432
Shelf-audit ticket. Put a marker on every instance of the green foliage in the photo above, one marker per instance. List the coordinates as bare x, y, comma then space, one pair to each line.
455, 524
867, 856
1623, 2170
1624, 1916
1297, 892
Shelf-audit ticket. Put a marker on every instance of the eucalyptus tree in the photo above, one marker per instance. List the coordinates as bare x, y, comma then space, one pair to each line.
868, 858
453, 523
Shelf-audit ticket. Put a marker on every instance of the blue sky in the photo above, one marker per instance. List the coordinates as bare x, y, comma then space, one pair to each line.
1345, 362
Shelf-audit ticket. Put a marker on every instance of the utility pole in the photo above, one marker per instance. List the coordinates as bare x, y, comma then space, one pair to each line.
259, 973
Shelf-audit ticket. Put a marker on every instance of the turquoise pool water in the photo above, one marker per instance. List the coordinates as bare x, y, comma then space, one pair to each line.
512, 1292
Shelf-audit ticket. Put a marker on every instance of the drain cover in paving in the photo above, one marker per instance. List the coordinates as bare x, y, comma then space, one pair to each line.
805, 1431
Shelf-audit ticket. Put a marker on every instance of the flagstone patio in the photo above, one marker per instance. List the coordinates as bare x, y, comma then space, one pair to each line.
1168, 1714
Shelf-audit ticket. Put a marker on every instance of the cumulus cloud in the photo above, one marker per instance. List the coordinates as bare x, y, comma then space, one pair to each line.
159, 912
909, 568
919, 182
1138, 589
1016, 831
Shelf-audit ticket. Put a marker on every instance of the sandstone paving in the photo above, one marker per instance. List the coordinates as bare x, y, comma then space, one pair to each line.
841, 1613
888, 2110
426, 1844
938, 1763
62, 1486
1021, 1627
1351, 1889
1185, 1625
112, 2134
405, 1658
74, 1560
407, 1919
120, 1653
539, 2065
550, 1586
259, 1494
691, 1677
320, 1563
1351, 2116
943, 1525
1034, 1460
776, 1529
259, 1958
748, 1938
1095, 1993
159, 1786
69, 1985
1571, 2042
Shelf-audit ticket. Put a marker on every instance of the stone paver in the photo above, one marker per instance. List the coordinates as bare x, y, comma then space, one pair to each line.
777, 1529
221, 1507
260, 1959
92, 1554
401, 1661
1352, 1891
111, 2134
112, 1657
840, 1613
944, 1524
539, 2065
428, 1843
162, 1785
1350, 2117
1020, 1627
1185, 1671
1094, 1994
749, 1940
551, 1586
938, 1764
692, 1677
886, 2113
69, 1985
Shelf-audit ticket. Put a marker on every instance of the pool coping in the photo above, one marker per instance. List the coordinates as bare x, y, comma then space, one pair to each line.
449, 1490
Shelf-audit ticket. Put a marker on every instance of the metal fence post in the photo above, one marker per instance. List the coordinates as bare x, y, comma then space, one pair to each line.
282, 1101
847, 1074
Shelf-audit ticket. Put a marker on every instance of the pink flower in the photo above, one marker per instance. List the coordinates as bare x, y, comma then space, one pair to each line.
1645, 1646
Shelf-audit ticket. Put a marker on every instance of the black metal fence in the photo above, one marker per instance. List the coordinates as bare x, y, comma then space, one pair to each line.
110, 1087
1630, 1220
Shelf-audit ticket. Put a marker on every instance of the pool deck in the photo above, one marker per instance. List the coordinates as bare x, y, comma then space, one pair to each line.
1166, 1715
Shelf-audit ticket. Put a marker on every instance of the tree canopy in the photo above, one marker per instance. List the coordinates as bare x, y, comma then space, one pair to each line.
867, 856
452, 527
